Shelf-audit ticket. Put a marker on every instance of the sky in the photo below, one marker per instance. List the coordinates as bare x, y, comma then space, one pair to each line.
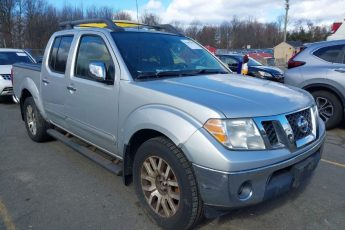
320, 12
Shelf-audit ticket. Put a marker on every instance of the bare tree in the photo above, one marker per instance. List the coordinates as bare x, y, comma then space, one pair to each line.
150, 18
122, 15
193, 29
7, 8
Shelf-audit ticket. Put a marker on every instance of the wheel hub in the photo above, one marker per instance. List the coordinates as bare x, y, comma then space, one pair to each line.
160, 187
31, 120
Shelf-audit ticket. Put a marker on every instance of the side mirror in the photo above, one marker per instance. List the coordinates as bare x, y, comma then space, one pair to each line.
97, 70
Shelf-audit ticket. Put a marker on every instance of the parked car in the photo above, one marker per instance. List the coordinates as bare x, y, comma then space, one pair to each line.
338, 30
194, 138
255, 68
320, 69
7, 58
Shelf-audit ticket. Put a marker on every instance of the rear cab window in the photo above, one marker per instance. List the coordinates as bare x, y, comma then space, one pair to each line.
333, 54
59, 53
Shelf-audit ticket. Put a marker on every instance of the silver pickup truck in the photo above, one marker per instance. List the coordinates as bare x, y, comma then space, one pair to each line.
166, 114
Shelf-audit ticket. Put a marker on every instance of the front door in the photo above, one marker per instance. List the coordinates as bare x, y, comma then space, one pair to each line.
92, 105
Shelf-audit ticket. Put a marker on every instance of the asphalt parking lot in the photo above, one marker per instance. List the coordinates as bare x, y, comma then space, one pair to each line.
50, 186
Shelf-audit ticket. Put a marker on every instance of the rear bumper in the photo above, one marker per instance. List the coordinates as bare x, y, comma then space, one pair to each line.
226, 190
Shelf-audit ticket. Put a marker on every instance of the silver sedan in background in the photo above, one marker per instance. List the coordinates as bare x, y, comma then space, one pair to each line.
320, 69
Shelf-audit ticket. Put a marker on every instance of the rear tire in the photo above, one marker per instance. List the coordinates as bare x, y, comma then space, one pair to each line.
165, 184
330, 108
35, 124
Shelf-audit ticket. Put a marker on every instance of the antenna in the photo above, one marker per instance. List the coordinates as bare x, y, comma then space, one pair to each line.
136, 2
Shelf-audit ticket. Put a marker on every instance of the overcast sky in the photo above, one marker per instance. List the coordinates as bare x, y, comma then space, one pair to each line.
215, 11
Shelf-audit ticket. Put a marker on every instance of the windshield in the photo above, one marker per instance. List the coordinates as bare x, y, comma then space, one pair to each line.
253, 62
158, 55
9, 58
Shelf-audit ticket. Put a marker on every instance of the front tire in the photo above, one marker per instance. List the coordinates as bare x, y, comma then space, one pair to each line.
165, 184
35, 124
330, 108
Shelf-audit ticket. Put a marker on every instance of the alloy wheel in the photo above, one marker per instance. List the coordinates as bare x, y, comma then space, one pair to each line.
325, 107
160, 186
31, 120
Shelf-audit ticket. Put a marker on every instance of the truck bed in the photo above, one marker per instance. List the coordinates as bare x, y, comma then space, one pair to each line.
24, 72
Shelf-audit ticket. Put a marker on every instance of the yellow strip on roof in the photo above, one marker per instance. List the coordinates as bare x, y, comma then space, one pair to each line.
118, 23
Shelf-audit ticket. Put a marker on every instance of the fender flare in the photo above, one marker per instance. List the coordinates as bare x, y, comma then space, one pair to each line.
175, 124
29, 85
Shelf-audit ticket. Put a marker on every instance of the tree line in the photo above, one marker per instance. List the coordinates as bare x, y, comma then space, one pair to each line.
30, 23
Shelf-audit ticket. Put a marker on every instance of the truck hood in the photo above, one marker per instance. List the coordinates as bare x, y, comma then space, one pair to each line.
235, 95
5, 69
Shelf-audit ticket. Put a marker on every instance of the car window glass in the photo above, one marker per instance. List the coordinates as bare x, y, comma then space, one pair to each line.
62, 54
9, 58
93, 49
332, 54
59, 53
153, 53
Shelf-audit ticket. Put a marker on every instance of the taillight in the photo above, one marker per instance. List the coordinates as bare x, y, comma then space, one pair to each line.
293, 64
336, 26
12, 75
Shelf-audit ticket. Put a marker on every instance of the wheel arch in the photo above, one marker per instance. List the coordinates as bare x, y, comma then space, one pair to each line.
25, 94
315, 87
151, 121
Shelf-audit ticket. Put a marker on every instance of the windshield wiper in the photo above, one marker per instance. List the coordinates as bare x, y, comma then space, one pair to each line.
211, 71
179, 73
168, 73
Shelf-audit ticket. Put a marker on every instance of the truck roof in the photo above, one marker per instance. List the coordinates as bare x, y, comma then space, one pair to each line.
117, 26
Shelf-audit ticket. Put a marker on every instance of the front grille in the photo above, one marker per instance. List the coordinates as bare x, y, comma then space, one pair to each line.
293, 121
6, 76
270, 132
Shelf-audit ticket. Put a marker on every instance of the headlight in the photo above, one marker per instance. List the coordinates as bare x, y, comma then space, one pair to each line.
264, 74
240, 134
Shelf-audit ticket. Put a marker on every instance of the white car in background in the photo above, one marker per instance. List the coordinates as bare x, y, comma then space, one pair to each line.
338, 30
7, 58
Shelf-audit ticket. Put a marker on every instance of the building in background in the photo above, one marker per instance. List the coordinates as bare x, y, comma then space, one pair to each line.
285, 50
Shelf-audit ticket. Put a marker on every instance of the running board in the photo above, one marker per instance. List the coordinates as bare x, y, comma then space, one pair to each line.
105, 163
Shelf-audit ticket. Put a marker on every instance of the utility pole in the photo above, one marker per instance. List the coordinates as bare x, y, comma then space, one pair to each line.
287, 6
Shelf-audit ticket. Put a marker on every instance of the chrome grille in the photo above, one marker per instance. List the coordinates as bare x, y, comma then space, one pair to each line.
293, 121
284, 130
270, 132
6, 76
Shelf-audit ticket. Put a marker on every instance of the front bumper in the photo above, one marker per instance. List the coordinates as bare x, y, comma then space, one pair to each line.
6, 88
226, 190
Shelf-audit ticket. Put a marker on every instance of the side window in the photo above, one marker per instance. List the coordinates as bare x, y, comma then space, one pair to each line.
53, 52
92, 48
334, 54
62, 54
59, 53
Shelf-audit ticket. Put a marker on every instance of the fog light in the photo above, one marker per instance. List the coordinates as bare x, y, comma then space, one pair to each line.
245, 191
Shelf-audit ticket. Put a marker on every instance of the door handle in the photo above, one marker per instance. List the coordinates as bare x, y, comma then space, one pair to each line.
340, 70
45, 82
71, 88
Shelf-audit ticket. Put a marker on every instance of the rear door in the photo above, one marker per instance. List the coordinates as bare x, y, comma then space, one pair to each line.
54, 78
92, 106
335, 56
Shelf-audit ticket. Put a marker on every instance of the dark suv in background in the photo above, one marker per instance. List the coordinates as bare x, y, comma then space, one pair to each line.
320, 69
255, 68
